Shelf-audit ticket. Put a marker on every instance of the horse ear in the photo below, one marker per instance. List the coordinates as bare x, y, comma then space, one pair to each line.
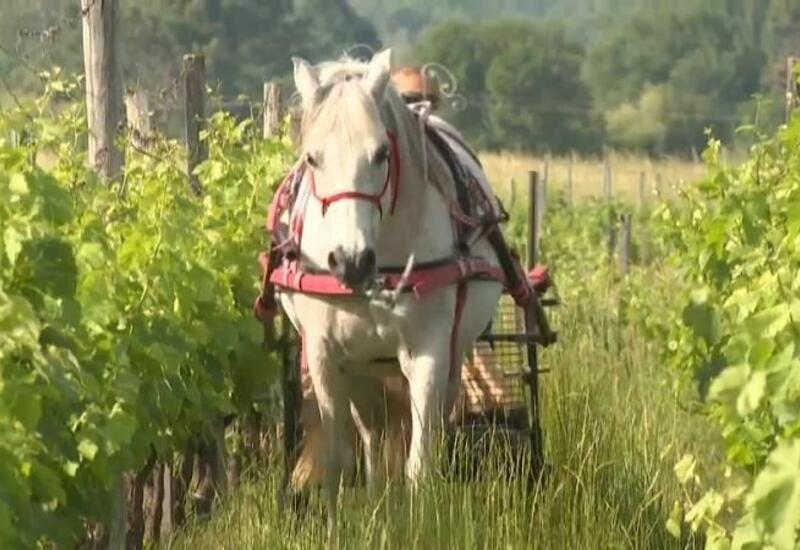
305, 80
378, 73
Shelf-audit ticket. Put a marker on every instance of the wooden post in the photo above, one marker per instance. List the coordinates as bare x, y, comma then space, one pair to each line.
569, 180
533, 219
272, 110
154, 503
194, 70
541, 208
181, 480
534, 229
546, 172
642, 190
135, 489
137, 113
624, 243
512, 191
792, 89
103, 92
117, 531
607, 185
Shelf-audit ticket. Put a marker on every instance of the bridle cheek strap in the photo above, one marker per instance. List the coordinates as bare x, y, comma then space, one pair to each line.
391, 183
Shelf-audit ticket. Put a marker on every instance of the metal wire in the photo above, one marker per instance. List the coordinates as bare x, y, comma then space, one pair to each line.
492, 377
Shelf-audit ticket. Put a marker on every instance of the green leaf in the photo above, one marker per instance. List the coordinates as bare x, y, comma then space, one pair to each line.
92, 255
119, 429
28, 409
674, 522
759, 353
775, 497
727, 386
685, 469
745, 535
703, 320
768, 323
88, 449
18, 184
717, 539
752, 393
71, 468
12, 240
705, 510
48, 265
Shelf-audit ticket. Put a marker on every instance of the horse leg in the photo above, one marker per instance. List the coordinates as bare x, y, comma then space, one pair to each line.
367, 405
427, 375
329, 388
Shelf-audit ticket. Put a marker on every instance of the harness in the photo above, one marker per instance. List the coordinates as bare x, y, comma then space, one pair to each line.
282, 265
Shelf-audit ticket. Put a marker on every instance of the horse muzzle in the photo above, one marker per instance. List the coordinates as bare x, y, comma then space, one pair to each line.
354, 270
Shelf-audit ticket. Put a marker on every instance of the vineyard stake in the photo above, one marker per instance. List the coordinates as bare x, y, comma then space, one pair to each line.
624, 243
137, 114
642, 190
607, 190
194, 74
569, 180
103, 91
272, 109
792, 88
534, 230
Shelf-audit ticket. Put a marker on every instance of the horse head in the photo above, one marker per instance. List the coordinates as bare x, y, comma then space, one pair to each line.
351, 158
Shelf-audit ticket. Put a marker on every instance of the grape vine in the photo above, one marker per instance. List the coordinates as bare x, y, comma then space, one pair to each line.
125, 311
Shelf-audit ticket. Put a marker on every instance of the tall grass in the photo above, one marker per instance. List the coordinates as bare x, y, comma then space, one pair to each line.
613, 432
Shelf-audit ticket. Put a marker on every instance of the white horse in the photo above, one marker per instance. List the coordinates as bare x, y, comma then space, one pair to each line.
378, 195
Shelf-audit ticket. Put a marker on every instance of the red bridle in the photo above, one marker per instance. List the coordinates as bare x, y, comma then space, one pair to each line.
392, 183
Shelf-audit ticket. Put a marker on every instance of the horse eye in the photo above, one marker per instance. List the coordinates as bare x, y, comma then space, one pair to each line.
311, 160
381, 154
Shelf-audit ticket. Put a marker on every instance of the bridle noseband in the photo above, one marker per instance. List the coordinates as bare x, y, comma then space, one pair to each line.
392, 183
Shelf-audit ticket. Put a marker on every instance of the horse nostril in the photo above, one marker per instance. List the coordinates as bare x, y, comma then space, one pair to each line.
332, 263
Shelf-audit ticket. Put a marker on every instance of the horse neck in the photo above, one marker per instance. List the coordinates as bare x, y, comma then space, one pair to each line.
421, 222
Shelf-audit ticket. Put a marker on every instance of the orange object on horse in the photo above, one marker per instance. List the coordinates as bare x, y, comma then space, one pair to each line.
415, 86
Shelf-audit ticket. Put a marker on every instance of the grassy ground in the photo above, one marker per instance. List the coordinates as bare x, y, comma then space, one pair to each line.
613, 432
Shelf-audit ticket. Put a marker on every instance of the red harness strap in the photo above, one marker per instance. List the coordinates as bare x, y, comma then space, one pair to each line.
392, 182
422, 281
461, 299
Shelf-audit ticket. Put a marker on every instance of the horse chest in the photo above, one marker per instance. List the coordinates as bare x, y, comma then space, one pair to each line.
352, 328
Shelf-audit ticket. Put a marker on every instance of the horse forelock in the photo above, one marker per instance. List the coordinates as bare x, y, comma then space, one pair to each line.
343, 108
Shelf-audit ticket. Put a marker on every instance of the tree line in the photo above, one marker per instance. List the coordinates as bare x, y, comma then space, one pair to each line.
543, 75
655, 79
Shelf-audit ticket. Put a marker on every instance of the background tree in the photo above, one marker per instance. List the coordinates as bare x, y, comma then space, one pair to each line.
245, 41
705, 63
538, 100
566, 74
521, 81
